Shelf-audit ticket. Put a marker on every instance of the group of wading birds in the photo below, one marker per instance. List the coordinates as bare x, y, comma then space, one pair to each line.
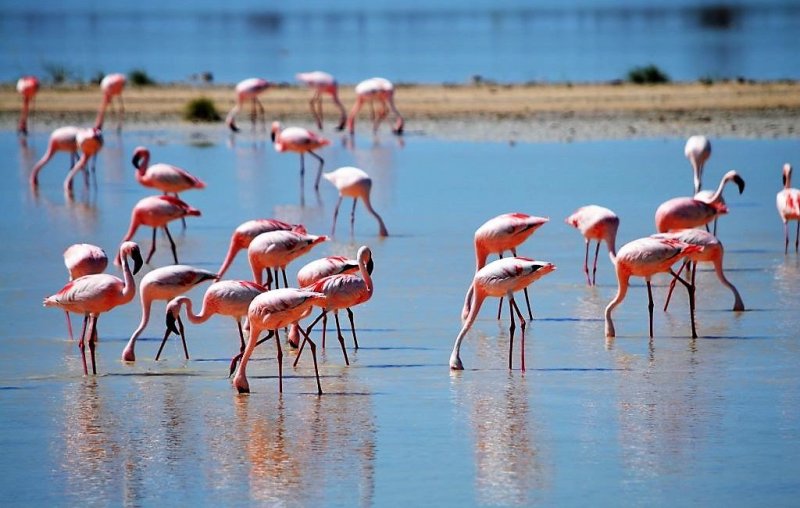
337, 283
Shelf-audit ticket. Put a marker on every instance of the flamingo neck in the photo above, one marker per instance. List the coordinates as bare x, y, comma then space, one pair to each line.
368, 206
129, 287
194, 318
718, 193
101, 114
362, 265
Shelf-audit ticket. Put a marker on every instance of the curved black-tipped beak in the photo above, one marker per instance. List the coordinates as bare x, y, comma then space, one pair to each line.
136, 159
272, 136
370, 266
171, 323
739, 181
137, 260
233, 127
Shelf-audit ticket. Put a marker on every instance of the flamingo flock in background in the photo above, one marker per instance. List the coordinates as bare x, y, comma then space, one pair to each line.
374, 90
323, 84
248, 90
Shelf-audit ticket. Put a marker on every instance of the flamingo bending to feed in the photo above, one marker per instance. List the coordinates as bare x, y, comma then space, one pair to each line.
322, 83
27, 87
599, 224
353, 183
63, 139
83, 259
788, 203
156, 212
226, 298
163, 283
89, 141
248, 89
685, 212
112, 86
247, 231
646, 257
502, 277
276, 249
373, 90
697, 150
93, 294
271, 311
302, 141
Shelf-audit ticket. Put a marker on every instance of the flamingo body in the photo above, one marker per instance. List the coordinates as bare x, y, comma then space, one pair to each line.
89, 141
248, 90
164, 177
276, 249
354, 183
788, 203
374, 90
62, 139
686, 212
325, 267
247, 231
84, 259
302, 141
504, 232
157, 212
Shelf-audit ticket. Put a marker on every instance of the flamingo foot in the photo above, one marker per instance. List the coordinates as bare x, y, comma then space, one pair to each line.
241, 384
455, 363
128, 355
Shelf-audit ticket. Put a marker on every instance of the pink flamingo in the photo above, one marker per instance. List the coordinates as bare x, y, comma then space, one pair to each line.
156, 212
683, 213
370, 91
226, 298
63, 139
646, 257
788, 203
167, 178
706, 196
502, 277
247, 231
599, 224
697, 150
83, 259
27, 87
163, 283
89, 141
712, 252
93, 294
248, 89
271, 311
276, 249
302, 141
353, 183
322, 83
112, 86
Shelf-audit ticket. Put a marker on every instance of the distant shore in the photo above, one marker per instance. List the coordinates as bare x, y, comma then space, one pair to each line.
495, 112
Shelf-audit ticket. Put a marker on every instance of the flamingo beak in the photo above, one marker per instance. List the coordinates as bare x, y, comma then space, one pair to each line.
232, 126
739, 181
136, 159
272, 135
137, 260
171, 323
370, 266
783, 179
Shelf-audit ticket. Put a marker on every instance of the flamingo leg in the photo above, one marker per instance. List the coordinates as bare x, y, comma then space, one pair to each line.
500, 306
313, 347
312, 105
352, 326
324, 328
691, 290
511, 331
183, 338
280, 361
235, 359
302, 178
341, 338
672, 284
285, 281
69, 324
586, 263
172, 245
353, 217
715, 226
253, 112
152, 247
82, 345
321, 315
319, 171
650, 305
335, 215
522, 324
163, 341
93, 343
797, 237
241, 335
786, 236
594, 267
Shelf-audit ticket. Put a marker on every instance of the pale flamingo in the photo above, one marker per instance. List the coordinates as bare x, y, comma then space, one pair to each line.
712, 252
163, 283
683, 213
89, 142
599, 224
343, 291
247, 231
83, 259
788, 203
226, 298
112, 86
271, 311
370, 91
697, 150
302, 141
353, 183
93, 294
248, 89
62, 139
167, 178
156, 212
499, 278
27, 87
276, 249
646, 257
322, 83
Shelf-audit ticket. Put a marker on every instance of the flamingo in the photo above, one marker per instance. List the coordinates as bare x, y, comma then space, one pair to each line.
302, 141
646, 257
157, 212
276, 249
382, 91
599, 224
353, 183
93, 294
27, 87
270, 311
697, 150
63, 139
111, 86
712, 253
322, 83
83, 259
788, 203
343, 291
167, 178
707, 195
247, 231
89, 141
248, 89
501, 277
682, 213
163, 283
226, 298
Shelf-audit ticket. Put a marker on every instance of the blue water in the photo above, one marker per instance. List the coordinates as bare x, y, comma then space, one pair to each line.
411, 41
633, 421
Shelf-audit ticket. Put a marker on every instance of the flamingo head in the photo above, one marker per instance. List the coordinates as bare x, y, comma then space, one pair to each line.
738, 180
132, 249
141, 156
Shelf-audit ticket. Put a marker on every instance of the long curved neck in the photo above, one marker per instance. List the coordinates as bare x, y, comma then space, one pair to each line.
362, 265
719, 190
368, 206
233, 249
787, 179
129, 288
101, 114
698, 175
194, 318
144, 162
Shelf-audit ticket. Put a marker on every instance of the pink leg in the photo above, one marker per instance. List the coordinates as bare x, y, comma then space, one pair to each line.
672, 284
594, 268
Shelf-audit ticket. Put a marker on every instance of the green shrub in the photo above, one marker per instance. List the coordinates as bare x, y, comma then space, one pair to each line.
201, 109
139, 77
58, 73
648, 75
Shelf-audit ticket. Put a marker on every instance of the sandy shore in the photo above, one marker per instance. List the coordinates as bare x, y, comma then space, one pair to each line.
472, 112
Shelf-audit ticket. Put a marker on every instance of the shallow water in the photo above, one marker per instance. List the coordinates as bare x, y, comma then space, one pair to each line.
630, 421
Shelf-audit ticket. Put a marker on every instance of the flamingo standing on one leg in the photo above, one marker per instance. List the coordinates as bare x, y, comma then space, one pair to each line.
156, 212
83, 259
697, 150
683, 213
646, 257
163, 283
788, 203
89, 141
353, 183
244, 234
599, 224
271, 311
501, 277
302, 141
111, 86
27, 87
370, 91
276, 249
91, 295
226, 298
63, 139
322, 83
248, 89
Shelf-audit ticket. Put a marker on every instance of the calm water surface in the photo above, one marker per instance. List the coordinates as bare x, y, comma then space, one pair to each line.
631, 421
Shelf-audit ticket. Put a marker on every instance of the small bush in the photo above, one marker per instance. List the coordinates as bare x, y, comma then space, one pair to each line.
59, 74
647, 75
139, 77
201, 109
